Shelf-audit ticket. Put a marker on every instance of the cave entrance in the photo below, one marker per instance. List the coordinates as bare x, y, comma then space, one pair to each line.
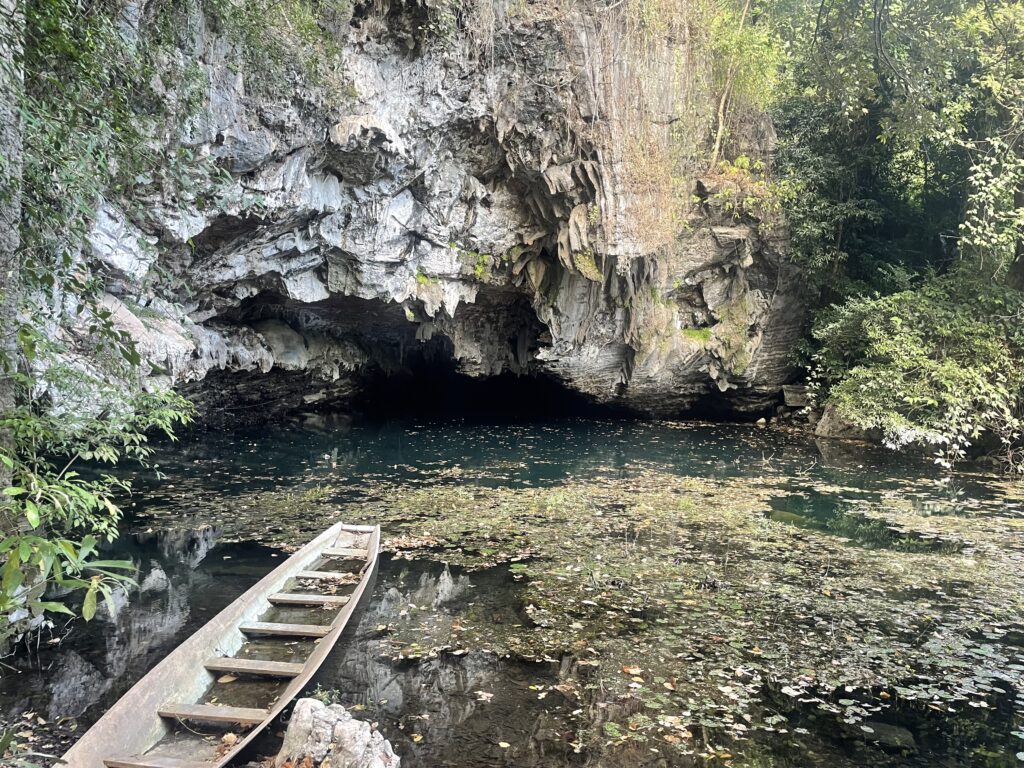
430, 386
404, 364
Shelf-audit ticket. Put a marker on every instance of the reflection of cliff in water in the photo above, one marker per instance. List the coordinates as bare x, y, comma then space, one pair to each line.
447, 707
184, 579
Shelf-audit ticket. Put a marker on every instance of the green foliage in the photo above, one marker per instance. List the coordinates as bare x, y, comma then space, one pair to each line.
15, 755
939, 364
746, 55
281, 41
55, 516
901, 170
480, 263
698, 335
89, 115
900, 142
326, 696
743, 191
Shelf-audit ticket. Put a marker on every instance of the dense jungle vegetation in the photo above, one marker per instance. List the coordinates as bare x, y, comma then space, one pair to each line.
899, 169
900, 131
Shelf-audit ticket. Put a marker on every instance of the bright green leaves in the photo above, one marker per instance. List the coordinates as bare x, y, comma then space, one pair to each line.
66, 514
900, 147
33, 562
89, 604
32, 513
937, 365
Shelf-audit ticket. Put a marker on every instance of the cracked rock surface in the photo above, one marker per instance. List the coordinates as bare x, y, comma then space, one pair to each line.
453, 205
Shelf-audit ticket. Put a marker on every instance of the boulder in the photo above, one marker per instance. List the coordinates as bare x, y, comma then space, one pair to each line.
833, 424
330, 736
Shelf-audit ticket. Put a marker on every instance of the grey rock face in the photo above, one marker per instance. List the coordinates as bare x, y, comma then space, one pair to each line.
452, 204
832, 424
331, 736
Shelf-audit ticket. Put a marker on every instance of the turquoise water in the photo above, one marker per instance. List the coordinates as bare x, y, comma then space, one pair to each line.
194, 558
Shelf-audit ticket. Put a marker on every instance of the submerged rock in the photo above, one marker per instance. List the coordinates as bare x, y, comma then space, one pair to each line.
330, 736
893, 738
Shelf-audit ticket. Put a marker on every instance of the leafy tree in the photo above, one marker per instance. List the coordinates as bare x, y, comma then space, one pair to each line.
69, 380
901, 169
940, 364
746, 61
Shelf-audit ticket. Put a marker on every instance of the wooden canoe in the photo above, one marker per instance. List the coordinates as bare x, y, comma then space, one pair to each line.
179, 714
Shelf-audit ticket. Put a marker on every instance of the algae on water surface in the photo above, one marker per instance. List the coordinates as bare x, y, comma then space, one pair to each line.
690, 616
677, 593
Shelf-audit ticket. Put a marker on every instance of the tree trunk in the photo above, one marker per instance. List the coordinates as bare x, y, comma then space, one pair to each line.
723, 104
12, 35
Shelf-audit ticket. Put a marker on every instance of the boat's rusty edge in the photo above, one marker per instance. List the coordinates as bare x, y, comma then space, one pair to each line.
132, 725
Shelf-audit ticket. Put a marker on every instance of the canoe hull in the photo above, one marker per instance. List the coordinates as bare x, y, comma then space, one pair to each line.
133, 725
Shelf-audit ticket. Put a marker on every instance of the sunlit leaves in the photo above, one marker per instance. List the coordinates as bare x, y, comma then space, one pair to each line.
938, 365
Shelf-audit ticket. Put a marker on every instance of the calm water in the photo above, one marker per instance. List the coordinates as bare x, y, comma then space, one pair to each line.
457, 710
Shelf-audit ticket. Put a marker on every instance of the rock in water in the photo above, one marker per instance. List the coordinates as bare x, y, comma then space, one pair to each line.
331, 736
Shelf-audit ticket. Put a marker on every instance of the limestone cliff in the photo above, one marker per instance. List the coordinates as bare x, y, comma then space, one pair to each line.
498, 185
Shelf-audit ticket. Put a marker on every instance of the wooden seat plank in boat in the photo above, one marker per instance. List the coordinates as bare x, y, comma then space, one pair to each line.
344, 552
285, 630
323, 575
214, 713
139, 730
254, 667
153, 761
301, 598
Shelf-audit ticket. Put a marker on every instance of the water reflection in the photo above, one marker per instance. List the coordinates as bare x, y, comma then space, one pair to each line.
420, 657
184, 579
440, 705
544, 453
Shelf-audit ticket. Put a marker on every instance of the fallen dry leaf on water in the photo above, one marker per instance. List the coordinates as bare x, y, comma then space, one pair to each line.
226, 679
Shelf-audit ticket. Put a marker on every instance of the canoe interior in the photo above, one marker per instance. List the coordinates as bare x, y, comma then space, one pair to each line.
267, 653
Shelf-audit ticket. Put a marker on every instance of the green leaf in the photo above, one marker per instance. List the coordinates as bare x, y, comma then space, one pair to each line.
108, 599
87, 547
55, 607
31, 513
89, 604
126, 565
